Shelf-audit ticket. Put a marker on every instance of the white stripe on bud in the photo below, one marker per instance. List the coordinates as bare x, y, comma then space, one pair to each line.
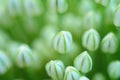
62, 42
24, 57
83, 62
5, 63
114, 70
71, 73
109, 43
91, 40
55, 69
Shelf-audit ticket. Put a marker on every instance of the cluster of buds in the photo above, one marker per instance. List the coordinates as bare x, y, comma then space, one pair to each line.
59, 39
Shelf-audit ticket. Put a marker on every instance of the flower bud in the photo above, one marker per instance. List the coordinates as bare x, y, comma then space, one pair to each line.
29, 7
15, 7
5, 63
103, 2
62, 42
117, 16
71, 73
109, 43
91, 40
60, 5
24, 57
32, 7
83, 62
84, 6
114, 70
55, 69
83, 78
92, 20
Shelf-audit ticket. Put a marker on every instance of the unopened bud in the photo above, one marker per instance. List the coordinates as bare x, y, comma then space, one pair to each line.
114, 70
55, 69
71, 73
91, 40
24, 57
83, 62
109, 43
62, 42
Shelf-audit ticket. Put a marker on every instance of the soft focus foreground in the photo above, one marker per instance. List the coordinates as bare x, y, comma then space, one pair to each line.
59, 39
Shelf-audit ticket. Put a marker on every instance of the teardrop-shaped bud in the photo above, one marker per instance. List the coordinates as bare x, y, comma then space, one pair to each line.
24, 57
83, 62
55, 69
109, 43
31, 7
92, 20
114, 70
15, 7
62, 42
91, 40
71, 73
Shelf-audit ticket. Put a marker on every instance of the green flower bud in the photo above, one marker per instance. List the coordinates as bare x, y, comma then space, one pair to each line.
83, 78
92, 20
71, 73
83, 62
60, 5
62, 42
24, 57
32, 7
117, 17
15, 7
91, 40
114, 70
109, 43
103, 2
55, 69
5, 63
29, 7
84, 6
